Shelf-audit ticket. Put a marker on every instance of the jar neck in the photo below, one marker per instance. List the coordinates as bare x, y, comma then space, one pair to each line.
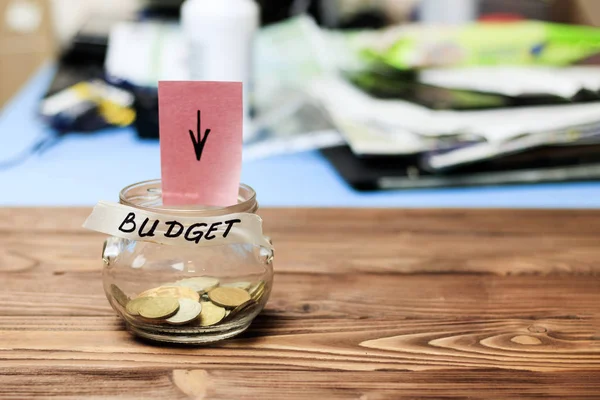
147, 196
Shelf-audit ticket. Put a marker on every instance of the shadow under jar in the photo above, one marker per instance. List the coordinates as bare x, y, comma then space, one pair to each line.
220, 289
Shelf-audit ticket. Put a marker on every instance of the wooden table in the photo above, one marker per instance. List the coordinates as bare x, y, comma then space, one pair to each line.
367, 304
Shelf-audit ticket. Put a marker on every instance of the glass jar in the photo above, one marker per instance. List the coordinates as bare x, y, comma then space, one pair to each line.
231, 282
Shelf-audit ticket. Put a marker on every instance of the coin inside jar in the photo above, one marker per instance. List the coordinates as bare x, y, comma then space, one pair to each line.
228, 297
188, 311
258, 290
133, 307
201, 284
239, 285
241, 309
211, 314
159, 307
177, 292
118, 295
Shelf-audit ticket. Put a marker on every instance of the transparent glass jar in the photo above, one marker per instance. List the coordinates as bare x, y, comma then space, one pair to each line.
141, 269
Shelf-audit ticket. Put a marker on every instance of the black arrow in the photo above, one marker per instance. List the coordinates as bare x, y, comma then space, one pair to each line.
198, 141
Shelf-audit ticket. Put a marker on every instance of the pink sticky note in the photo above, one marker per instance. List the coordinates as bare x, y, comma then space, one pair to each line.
201, 127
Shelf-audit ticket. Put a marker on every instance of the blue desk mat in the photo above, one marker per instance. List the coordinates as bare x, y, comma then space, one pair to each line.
82, 169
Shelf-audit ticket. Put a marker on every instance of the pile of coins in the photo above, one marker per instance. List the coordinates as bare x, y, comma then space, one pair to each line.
201, 301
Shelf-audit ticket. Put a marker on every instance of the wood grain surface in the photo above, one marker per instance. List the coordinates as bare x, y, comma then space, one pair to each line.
367, 304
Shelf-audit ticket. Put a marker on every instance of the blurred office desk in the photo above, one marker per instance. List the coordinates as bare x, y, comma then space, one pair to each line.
82, 169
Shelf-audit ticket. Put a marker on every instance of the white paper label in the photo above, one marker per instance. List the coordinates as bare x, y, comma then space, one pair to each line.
170, 229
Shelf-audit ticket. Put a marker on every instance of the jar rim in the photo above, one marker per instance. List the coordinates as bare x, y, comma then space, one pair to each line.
147, 196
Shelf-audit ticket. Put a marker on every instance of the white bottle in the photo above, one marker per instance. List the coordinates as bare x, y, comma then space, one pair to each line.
448, 12
220, 37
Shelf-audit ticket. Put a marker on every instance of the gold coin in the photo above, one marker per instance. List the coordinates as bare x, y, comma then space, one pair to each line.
258, 294
188, 311
133, 307
200, 284
239, 285
118, 295
258, 290
171, 291
159, 307
228, 297
241, 309
211, 314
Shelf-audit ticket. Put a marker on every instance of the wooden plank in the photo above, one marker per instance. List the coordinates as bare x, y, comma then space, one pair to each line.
334, 220
156, 382
367, 304
376, 241
363, 345
354, 296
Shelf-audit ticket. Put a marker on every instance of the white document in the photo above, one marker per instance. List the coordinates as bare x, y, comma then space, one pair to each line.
517, 81
143, 53
375, 126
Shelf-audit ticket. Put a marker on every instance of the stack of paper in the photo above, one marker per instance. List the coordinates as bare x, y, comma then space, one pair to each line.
376, 127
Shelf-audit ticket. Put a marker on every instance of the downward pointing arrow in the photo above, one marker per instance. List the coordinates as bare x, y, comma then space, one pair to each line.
197, 140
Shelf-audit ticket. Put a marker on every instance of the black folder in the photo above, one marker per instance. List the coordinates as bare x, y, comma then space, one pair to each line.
548, 164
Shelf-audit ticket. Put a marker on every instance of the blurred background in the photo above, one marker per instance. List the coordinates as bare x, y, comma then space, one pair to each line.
466, 103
